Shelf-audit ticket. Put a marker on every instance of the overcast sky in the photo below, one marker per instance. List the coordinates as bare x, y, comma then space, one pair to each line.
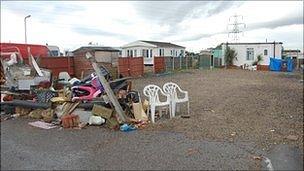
194, 24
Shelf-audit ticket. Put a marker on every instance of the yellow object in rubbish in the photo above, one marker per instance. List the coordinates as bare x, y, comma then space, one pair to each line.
59, 99
145, 105
139, 112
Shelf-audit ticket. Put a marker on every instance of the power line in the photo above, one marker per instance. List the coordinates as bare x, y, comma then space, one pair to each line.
236, 27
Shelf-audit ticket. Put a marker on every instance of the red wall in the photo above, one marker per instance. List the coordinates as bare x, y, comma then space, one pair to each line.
57, 64
159, 65
128, 66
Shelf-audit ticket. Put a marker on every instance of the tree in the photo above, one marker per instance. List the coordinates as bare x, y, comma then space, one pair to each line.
230, 55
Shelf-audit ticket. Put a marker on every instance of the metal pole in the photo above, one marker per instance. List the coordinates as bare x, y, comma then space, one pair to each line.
186, 59
173, 62
25, 38
180, 63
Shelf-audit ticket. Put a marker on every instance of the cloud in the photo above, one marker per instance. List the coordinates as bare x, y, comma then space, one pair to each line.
196, 24
44, 11
222, 6
174, 12
99, 32
286, 21
289, 20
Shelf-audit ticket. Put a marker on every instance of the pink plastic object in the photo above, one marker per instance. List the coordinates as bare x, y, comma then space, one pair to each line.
93, 92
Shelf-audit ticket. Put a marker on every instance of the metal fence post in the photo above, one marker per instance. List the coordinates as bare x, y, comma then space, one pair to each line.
172, 63
186, 59
180, 63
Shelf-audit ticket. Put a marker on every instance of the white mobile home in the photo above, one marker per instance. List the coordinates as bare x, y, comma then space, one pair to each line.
247, 52
149, 49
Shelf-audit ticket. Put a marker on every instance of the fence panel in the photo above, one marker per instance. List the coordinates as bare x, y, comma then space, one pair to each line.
56, 64
123, 66
175, 63
136, 66
205, 61
128, 66
159, 65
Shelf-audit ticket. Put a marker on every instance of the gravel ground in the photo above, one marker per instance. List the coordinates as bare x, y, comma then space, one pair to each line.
260, 107
24, 147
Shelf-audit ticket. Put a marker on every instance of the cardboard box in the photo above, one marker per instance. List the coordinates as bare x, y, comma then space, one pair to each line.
102, 111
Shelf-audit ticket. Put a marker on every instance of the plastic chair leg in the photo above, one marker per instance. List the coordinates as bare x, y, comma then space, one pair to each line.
173, 109
178, 108
153, 114
160, 111
170, 110
188, 108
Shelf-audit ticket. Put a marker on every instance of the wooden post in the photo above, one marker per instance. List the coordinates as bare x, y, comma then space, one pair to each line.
107, 88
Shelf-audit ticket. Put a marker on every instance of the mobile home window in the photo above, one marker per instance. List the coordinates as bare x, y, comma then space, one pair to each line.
145, 53
250, 54
135, 53
150, 53
161, 52
265, 52
131, 53
128, 53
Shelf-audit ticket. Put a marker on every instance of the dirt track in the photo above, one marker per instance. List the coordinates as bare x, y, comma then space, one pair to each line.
259, 107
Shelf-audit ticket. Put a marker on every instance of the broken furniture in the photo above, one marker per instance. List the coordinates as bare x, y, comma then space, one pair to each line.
20, 77
152, 92
172, 89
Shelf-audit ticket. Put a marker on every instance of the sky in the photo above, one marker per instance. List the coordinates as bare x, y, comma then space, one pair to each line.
196, 25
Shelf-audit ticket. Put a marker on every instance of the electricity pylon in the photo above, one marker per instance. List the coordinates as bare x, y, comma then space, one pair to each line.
236, 27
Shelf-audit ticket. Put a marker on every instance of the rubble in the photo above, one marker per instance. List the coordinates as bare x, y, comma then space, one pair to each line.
73, 103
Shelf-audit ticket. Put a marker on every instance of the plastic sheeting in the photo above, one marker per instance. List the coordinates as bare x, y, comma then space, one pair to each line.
289, 65
275, 64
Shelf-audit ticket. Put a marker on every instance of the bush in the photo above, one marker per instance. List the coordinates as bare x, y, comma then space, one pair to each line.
259, 59
230, 55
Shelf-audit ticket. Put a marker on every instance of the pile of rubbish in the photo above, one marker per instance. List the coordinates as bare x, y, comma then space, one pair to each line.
31, 92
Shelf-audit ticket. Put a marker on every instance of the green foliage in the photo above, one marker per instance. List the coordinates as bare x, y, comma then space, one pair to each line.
230, 55
259, 59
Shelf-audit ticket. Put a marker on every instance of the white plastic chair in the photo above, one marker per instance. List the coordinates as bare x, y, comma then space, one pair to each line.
64, 77
171, 89
152, 92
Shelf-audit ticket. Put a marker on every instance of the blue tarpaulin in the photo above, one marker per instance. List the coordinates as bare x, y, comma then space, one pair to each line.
275, 64
289, 65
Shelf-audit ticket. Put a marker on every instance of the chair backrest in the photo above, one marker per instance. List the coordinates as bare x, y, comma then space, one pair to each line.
170, 88
151, 91
64, 75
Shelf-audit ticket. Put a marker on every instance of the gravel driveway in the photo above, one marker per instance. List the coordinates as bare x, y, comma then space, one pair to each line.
235, 115
261, 107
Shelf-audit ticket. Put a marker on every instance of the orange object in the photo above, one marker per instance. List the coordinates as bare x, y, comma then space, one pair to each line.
70, 121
